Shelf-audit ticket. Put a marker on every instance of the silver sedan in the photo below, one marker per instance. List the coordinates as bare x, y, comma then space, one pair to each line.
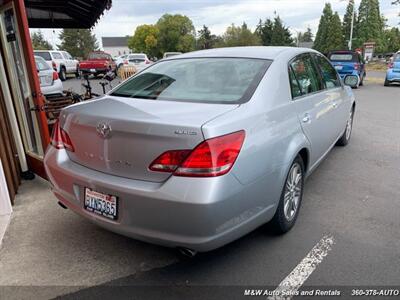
199, 149
50, 83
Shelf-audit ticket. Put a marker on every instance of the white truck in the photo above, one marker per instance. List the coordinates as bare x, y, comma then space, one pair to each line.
60, 61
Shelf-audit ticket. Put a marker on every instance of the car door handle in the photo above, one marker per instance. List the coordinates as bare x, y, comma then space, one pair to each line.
306, 118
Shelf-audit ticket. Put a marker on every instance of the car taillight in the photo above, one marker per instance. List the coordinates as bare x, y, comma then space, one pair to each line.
147, 62
390, 65
60, 138
54, 65
125, 62
213, 157
356, 66
55, 75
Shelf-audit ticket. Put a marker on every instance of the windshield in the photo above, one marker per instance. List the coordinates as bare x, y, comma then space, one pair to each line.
44, 55
343, 57
209, 80
41, 64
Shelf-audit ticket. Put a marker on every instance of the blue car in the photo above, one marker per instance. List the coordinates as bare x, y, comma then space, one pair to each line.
348, 63
393, 72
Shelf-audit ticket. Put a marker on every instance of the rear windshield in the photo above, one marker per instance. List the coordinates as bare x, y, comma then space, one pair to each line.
41, 64
208, 80
44, 55
137, 56
98, 56
351, 57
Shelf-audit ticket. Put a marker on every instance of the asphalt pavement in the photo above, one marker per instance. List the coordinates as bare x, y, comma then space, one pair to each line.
352, 199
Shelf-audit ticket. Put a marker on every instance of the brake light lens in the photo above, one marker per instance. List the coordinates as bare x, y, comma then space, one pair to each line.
60, 138
390, 65
356, 66
54, 65
55, 75
211, 158
147, 62
125, 62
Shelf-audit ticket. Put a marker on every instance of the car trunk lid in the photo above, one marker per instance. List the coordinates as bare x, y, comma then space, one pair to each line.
122, 136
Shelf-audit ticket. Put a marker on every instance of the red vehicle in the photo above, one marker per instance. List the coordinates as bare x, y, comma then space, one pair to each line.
98, 62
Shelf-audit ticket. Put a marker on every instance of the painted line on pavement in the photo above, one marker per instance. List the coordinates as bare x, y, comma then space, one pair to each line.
288, 287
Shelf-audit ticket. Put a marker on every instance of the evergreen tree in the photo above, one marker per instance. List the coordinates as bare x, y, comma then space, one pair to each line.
206, 40
323, 29
78, 42
306, 37
274, 33
347, 20
370, 24
334, 40
392, 37
39, 42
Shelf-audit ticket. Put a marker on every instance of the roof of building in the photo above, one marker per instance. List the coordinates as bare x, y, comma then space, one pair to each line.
116, 41
65, 14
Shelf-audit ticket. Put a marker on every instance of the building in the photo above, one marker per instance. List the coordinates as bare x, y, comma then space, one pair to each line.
115, 46
24, 133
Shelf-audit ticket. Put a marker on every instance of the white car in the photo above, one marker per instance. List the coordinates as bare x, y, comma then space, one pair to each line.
61, 61
139, 60
50, 83
119, 60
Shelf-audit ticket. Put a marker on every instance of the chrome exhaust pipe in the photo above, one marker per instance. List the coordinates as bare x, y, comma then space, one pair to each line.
186, 252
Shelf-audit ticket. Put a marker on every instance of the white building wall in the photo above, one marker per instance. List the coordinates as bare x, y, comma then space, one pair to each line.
116, 51
5, 204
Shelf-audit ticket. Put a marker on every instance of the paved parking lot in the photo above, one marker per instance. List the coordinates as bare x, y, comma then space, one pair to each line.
352, 201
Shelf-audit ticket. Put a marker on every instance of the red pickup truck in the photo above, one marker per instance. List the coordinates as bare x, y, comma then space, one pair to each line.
98, 62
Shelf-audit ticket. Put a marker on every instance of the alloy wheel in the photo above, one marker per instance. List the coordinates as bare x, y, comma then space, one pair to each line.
293, 191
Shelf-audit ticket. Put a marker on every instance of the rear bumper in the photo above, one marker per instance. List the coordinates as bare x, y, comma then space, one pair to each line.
197, 213
55, 89
343, 75
393, 76
94, 70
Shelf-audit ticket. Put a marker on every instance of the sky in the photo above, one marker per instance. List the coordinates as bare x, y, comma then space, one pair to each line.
125, 15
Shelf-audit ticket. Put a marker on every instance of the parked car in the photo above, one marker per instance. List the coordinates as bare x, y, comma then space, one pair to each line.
50, 83
61, 61
98, 62
348, 63
393, 72
169, 54
199, 149
139, 60
119, 61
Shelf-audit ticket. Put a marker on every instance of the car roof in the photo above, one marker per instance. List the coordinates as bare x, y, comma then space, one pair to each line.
263, 52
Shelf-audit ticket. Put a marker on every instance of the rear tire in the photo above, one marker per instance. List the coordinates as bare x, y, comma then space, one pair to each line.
345, 138
62, 74
292, 193
387, 83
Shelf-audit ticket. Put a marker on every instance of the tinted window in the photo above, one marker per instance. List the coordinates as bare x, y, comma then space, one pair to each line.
41, 64
350, 57
294, 84
56, 55
99, 55
306, 74
329, 74
211, 80
44, 55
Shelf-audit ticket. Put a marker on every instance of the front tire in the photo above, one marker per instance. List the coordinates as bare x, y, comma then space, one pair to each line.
291, 197
387, 83
345, 138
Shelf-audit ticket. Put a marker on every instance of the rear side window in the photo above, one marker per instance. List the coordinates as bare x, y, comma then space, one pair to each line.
44, 55
306, 74
56, 55
208, 80
329, 74
41, 64
294, 84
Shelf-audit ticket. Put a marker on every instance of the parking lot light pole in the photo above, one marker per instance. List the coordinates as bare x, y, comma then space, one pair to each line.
352, 26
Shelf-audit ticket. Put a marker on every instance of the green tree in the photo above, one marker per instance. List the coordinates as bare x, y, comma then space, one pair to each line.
347, 19
370, 24
145, 39
274, 33
39, 42
78, 42
306, 37
176, 33
329, 35
392, 37
239, 36
205, 39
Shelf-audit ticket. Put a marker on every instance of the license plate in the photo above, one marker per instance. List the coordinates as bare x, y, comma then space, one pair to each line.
93, 70
101, 204
339, 68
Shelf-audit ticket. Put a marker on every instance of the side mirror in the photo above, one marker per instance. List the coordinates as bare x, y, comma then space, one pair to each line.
351, 80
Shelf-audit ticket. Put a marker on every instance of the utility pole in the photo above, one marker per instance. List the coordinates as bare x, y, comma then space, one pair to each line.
352, 26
